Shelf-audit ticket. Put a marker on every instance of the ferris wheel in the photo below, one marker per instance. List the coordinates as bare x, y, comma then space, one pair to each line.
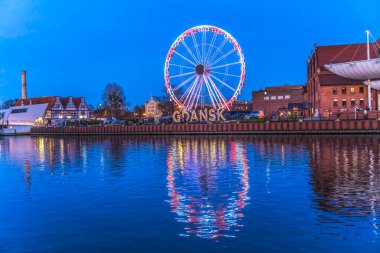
204, 67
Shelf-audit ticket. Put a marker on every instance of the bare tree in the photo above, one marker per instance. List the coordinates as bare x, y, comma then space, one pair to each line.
166, 104
113, 99
9, 103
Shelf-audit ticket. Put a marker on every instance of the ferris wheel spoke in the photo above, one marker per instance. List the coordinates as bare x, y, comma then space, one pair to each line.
181, 66
225, 74
195, 98
198, 93
228, 86
217, 50
219, 92
223, 57
203, 46
188, 92
225, 65
213, 102
188, 89
185, 58
183, 74
209, 51
195, 45
184, 82
190, 52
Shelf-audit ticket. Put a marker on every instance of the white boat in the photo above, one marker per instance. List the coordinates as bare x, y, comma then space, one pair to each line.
20, 119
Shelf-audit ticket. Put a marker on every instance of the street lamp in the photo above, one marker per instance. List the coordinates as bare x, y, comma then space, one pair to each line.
265, 103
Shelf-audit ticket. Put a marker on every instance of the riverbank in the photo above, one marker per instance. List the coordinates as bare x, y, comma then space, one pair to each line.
310, 127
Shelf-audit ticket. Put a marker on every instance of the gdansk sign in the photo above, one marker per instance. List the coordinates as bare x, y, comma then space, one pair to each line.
199, 115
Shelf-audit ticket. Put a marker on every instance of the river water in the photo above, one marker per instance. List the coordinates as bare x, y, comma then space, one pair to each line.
190, 194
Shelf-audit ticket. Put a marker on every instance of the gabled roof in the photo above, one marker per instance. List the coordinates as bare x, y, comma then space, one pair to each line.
42, 100
48, 100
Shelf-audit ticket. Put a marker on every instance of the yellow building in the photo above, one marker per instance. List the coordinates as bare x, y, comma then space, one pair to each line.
151, 109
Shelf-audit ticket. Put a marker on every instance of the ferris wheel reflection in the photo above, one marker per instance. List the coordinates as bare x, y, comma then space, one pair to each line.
208, 185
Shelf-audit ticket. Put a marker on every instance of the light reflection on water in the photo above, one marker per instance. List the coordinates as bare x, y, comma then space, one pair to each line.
208, 185
265, 193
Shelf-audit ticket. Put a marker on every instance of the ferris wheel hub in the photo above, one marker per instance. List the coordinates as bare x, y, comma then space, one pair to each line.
200, 69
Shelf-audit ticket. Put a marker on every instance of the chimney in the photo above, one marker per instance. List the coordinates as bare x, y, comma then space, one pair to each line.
23, 84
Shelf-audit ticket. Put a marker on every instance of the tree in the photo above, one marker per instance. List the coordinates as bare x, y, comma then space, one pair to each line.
138, 111
166, 104
9, 103
113, 99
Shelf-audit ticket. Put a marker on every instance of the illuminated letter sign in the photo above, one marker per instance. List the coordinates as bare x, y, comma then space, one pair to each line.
199, 115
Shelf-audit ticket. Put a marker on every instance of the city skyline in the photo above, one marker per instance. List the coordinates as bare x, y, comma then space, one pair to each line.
75, 49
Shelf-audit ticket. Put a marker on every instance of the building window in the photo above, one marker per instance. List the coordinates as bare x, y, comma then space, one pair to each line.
353, 102
280, 97
361, 89
335, 103
362, 101
335, 91
344, 103
266, 98
287, 97
344, 91
352, 90
273, 97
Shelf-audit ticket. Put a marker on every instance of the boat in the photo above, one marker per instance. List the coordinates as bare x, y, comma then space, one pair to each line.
19, 120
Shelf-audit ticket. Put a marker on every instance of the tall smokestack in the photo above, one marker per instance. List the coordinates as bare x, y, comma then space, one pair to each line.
23, 84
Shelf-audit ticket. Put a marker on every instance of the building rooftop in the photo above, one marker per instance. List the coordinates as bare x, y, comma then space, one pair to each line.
48, 100
345, 53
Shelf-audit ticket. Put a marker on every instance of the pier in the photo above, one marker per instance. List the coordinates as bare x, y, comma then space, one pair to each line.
256, 128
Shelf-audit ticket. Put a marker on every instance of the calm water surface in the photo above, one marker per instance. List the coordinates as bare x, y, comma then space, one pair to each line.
190, 194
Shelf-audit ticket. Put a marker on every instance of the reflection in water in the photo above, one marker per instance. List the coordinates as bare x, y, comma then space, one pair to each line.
345, 176
208, 185
331, 183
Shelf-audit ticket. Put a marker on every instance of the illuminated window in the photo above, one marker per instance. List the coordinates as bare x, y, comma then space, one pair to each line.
287, 97
335, 103
266, 98
280, 97
344, 91
352, 90
273, 97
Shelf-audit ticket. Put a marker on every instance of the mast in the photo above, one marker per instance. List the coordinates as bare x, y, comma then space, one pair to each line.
369, 81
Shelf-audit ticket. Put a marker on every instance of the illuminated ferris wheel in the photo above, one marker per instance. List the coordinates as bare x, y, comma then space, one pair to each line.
204, 67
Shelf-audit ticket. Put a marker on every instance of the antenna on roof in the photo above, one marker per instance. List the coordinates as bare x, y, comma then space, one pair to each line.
368, 53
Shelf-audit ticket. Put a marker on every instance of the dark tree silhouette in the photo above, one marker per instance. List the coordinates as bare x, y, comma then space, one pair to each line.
9, 103
113, 99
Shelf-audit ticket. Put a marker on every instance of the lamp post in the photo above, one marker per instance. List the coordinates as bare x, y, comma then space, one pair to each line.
265, 103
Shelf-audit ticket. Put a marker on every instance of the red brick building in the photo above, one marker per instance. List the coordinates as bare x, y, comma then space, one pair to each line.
240, 106
328, 93
286, 100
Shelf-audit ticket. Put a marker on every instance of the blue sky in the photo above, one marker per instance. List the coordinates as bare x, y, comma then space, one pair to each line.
76, 47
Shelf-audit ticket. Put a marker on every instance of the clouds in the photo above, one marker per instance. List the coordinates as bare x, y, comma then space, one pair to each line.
16, 17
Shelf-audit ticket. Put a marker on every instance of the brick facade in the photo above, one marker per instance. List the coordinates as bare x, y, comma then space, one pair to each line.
325, 94
280, 100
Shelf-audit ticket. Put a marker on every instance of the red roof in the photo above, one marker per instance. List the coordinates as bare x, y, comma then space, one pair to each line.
42, 100
48, 100
345, 53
